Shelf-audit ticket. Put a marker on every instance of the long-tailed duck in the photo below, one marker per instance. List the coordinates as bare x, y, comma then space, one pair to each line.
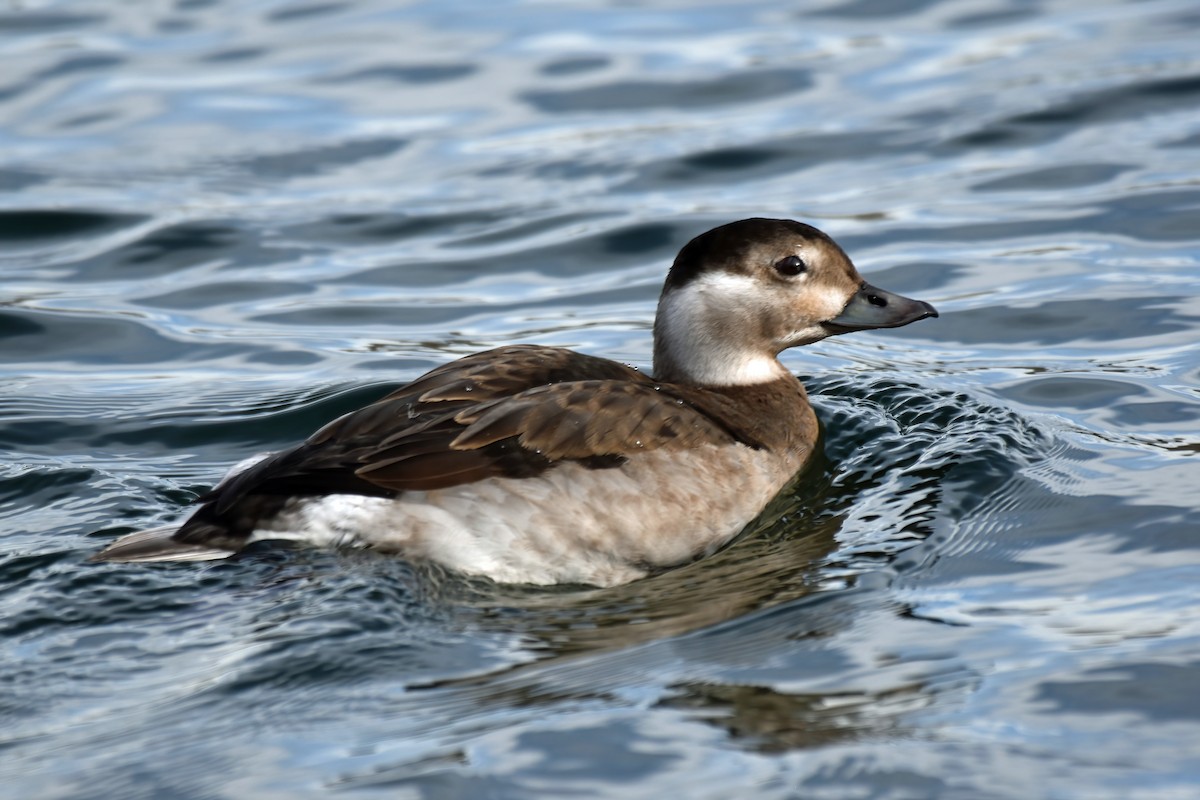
531, 464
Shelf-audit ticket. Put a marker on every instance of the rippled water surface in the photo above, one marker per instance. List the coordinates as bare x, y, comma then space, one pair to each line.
223, 223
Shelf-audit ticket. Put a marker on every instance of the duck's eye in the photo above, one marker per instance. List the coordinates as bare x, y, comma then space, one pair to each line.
792, 265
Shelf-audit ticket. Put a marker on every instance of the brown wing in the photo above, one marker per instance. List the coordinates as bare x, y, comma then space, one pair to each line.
513, 412
597, 422
505, 371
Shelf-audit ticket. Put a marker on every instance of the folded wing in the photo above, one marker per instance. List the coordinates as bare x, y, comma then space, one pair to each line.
512, 412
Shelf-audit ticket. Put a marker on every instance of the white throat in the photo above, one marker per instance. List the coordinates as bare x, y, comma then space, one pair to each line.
708, 333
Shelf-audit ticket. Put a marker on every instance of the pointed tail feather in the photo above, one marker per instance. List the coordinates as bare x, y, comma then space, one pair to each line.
156, 544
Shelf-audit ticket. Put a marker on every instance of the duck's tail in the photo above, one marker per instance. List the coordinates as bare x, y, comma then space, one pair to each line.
157, 544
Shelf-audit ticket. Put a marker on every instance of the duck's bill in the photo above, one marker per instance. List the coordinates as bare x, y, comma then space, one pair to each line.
871, 307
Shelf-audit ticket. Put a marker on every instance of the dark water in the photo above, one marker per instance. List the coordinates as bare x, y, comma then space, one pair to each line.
222, 224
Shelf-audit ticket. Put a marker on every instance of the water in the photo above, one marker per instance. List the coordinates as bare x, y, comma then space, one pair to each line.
223, 224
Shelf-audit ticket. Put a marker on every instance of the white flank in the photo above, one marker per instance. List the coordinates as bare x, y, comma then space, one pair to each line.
569, 525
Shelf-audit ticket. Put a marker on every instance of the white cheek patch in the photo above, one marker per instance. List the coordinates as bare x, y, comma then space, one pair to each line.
726, 290
707, 331
712, 329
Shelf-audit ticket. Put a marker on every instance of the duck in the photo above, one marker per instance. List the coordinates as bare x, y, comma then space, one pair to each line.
530, 464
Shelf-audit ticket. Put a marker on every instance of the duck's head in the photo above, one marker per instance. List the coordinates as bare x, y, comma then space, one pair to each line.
740, 294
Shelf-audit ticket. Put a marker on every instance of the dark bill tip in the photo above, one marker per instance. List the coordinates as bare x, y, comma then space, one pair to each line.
871, 307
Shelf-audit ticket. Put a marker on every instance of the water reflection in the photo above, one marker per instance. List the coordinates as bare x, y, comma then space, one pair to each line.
766, 720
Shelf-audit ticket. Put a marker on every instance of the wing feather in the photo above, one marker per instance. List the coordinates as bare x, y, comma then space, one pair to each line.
514, 412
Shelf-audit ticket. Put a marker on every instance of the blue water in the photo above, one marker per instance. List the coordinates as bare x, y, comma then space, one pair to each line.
223, 224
